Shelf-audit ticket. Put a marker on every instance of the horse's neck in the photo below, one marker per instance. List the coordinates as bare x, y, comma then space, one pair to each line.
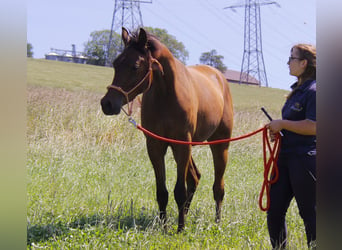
166, 82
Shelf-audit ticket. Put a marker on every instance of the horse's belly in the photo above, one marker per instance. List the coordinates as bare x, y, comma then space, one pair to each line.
205, 128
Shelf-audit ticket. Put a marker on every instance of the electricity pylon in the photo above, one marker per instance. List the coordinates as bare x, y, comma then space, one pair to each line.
126, 14
252, 61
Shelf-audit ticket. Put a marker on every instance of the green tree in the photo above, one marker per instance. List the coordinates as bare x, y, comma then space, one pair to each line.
177, 48
29, 50
213, 59
96, 47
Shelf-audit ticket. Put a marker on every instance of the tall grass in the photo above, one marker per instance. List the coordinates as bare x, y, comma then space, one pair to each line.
91, 185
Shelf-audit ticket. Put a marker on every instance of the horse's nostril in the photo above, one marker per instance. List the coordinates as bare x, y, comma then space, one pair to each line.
106, 107
104, 103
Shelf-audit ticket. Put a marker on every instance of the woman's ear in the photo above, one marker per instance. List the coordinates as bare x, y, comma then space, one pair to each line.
304, 63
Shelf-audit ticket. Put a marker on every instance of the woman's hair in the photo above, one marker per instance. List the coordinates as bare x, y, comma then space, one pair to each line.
307, 52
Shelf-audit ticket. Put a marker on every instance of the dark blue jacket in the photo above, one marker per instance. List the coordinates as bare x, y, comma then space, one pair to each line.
300, 106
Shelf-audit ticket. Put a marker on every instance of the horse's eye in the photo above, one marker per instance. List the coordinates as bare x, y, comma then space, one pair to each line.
135, 67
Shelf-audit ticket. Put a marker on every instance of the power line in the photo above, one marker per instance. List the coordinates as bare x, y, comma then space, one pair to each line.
129, 11
210, 43
252, 61
202, 38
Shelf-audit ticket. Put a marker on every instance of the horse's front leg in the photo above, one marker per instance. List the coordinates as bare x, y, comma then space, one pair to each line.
156, 151
182, 155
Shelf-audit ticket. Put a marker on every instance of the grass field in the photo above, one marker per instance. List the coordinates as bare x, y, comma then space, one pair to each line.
90, 184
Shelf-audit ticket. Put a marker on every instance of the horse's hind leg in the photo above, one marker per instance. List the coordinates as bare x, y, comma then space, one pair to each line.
220, 156
156, 151
192, 180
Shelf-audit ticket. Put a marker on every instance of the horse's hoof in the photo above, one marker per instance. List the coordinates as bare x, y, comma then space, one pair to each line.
217, 219
180, 228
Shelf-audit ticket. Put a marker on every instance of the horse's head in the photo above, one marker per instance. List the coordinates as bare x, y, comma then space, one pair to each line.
133, 72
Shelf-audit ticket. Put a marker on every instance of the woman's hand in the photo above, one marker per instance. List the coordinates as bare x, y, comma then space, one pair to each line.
302, 127
274, 128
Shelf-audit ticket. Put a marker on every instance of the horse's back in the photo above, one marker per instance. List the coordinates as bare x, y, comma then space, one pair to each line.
209, 77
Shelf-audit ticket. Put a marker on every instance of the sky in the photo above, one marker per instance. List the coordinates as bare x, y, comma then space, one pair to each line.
201, 25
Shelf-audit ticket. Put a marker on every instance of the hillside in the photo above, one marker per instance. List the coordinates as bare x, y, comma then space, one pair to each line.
76, 77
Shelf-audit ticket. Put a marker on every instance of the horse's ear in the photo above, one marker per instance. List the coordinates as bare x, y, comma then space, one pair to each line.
142, 40
125, 36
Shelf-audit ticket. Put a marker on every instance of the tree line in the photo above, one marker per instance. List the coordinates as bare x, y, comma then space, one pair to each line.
97, 45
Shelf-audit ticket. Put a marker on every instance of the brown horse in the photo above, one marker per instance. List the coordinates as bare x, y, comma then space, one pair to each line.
184, 103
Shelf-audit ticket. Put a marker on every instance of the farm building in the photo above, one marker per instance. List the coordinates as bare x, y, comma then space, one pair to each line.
66, 55
233, 76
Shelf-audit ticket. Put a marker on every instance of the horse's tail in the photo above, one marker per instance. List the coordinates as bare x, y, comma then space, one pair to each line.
196, 171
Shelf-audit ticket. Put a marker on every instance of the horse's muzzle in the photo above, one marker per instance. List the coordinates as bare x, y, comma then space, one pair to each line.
109, 107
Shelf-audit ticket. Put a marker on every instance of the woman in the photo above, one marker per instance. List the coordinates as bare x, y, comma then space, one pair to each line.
297, 158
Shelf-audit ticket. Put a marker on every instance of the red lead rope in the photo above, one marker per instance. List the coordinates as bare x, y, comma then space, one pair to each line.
197, 143
271, 172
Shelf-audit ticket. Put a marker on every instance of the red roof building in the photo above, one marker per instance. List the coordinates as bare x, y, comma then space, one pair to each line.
233, 76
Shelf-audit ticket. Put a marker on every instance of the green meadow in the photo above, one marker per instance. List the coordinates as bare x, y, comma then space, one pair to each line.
90, 184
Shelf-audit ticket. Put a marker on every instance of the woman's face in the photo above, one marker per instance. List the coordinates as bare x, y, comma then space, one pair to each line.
297, 65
